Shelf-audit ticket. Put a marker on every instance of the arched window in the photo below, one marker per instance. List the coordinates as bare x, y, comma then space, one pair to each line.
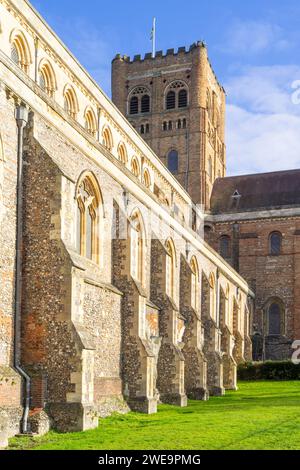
170, 126
134, 105
182, 99
142, 129
20, 52
171, 100
70, 102
122, 153
137, 248
145, 104
47, 79
170, 268
146, 178
194, 283
177, 95
107, 139
165, 126
91, 122
224, 246
135, 167
147, 128
275, 243
88, 217
275, 318
179, 124
139, 100
173, 161
184, 123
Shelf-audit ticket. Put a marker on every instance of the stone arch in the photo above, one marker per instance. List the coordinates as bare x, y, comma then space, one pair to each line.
138, 245
20, 50
70, 101
90, 121
122, 153
47, 78
107, 139
135, 167
146, 178
274, 317
90, 215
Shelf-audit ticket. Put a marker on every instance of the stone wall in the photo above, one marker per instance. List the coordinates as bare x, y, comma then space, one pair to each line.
270, 277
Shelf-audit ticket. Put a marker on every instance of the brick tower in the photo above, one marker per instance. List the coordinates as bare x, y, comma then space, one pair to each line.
178, 106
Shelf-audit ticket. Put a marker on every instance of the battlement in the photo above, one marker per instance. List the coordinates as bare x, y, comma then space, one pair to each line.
160, 54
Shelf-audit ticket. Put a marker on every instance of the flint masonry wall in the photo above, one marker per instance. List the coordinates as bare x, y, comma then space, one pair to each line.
10, 383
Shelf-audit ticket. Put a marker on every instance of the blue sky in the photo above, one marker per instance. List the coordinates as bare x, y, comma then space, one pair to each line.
253, 46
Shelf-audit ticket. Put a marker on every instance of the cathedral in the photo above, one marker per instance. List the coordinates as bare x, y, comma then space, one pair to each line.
132, 271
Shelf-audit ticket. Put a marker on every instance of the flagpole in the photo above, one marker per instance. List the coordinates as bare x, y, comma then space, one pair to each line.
154, 38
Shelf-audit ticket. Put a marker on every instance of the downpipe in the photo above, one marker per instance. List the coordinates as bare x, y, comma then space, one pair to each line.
22, 120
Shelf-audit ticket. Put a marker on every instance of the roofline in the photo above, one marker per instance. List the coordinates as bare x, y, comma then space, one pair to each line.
250, 175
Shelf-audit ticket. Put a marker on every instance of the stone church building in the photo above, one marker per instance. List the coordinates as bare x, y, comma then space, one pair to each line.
110, 298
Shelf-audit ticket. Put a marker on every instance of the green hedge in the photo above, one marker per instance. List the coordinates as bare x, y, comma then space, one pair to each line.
270, 370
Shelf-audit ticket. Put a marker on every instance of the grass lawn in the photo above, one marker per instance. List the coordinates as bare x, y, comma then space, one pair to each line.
261, 415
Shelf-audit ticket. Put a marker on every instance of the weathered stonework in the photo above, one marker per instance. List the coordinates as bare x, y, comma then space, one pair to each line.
107, 321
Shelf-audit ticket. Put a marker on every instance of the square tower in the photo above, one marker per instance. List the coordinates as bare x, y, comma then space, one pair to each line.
178, 106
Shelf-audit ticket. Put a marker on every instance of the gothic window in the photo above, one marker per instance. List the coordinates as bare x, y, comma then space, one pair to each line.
47, 79
88, 202
70, 102
91, 122
136, 248
184, 123
142, 129
179, 124
275, 242
165, 126
170, 269
122, 153
145, 104
171, 100
275, 318
173, 161
107, 139
139, 101
146, 178
20, 53
194, 283
135, 168
134, 105
182, 99
224, 246
170, 125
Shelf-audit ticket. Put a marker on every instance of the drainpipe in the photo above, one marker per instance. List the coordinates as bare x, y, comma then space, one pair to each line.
22, 119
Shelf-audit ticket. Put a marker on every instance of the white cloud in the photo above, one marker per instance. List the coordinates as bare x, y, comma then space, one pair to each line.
252, 37
263, 125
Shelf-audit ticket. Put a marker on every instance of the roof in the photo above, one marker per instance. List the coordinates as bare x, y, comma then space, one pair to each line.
262, 191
